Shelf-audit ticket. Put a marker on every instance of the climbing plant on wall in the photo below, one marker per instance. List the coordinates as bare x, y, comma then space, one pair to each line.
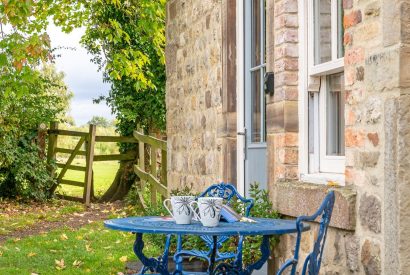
127, 41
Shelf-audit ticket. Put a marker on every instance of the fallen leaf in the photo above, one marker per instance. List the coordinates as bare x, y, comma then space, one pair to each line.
63, 237
77, 263
34, 274
123, 259
120, 273
79, 238
88, 248
60, 265
31, 254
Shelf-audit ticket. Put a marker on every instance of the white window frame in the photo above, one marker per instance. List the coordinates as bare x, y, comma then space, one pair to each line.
317, 168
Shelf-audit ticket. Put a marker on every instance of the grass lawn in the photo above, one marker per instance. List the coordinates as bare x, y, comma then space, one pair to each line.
104, 173
92, 249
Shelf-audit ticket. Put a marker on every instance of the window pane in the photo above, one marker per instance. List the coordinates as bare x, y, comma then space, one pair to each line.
256, 33
322, 31
335, 124
340, 30
256, 107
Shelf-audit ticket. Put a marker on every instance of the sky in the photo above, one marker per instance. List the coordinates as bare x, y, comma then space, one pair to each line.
81, 76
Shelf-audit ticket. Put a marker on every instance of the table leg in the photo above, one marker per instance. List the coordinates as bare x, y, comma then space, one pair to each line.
178, 259
265, 250
213, 255
159, 265
229, 269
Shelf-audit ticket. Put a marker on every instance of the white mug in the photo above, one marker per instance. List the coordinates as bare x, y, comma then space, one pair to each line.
209, 210
181, 210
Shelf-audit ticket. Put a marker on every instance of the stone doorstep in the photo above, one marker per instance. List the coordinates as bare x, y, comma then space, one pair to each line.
299, 198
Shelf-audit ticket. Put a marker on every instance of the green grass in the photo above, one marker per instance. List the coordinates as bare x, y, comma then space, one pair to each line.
15, 216
99, 251
104, 173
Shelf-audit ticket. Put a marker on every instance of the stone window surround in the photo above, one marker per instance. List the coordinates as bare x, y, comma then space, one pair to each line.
295, 198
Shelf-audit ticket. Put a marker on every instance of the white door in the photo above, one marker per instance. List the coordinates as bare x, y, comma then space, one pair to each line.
254, 93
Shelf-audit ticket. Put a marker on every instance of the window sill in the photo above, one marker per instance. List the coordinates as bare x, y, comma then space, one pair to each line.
324, 178
299, 198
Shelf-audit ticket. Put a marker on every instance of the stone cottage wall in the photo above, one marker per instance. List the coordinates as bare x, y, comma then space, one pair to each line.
373, 240
368, 233
201, 92
194, 83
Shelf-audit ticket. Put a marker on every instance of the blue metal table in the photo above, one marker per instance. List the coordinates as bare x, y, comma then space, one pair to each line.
159, 225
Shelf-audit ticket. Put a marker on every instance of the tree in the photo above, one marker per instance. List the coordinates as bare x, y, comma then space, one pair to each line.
99, 121
60, 89
127, 40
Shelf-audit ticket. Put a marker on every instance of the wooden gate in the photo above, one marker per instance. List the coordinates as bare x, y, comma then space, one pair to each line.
85, 147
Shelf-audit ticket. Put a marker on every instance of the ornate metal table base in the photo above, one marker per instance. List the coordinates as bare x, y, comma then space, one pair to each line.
159, 265
236, 267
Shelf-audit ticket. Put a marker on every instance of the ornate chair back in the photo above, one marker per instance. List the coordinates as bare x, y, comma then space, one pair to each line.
313, 261
228, 192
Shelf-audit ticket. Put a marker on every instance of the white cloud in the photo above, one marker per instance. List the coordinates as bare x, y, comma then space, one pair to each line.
82, 75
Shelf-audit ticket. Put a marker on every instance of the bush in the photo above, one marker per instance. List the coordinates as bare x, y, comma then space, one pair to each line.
23, 172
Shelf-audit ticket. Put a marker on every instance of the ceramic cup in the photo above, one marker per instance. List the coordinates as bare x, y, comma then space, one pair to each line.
181, 210
209, 210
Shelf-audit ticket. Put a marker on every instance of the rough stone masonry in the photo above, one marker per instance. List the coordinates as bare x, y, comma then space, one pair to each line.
370, 230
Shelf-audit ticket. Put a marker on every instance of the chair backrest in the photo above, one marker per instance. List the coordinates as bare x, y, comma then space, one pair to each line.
313, 261
227, 192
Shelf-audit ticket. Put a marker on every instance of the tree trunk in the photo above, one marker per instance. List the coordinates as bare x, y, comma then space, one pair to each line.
122, 183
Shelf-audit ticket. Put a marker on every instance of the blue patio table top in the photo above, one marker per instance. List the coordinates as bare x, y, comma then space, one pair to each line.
161, 225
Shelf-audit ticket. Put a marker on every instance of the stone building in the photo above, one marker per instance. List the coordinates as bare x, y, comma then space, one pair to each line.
337, 115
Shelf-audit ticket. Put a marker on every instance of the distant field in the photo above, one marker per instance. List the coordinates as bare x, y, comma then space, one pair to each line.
104, 173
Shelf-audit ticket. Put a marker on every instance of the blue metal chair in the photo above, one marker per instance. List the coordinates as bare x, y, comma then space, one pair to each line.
313, 261
227, 192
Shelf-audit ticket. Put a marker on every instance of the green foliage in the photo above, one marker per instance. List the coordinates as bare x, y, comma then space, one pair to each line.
24, 43
262, 209
127, 40
23, 172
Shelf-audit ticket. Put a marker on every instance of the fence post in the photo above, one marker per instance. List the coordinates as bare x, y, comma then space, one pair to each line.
52, 145
153, 173
41, 140
164, 168
89, 158
141, 161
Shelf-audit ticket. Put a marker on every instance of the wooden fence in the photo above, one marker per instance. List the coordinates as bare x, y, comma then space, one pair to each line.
153, 178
